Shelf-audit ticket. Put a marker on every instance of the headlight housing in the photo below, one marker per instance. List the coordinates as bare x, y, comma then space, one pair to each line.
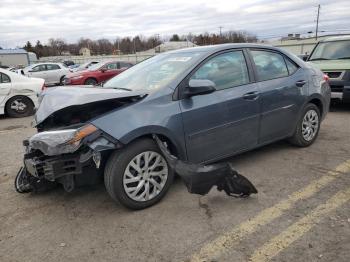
61, 141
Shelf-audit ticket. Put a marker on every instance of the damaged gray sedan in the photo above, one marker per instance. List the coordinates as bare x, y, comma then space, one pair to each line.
204, 104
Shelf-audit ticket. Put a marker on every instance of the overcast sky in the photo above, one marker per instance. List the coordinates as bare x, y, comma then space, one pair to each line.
32, 20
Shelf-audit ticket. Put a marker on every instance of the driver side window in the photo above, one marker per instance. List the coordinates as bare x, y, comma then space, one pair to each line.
38, 68
225, 70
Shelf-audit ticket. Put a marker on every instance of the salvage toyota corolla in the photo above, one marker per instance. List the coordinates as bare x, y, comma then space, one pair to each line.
205, 103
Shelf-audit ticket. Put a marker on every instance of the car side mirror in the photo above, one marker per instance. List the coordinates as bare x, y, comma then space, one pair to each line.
305, 57
103, 70
200, 87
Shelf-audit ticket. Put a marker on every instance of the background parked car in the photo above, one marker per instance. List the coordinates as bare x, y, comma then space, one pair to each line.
332, 56
68, 63
52, 73
18, 93
97, 73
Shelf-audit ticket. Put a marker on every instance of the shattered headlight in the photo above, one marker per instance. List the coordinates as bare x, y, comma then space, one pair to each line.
61, 141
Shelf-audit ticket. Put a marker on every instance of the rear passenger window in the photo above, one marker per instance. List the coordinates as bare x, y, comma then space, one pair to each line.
52, 67
225, 70
124, 65
269, 65
292, 68
4, 78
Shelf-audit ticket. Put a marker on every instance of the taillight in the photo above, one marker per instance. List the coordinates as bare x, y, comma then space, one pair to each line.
325, 77
43, 87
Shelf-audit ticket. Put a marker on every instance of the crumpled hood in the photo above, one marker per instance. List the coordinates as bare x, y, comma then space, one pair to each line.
54, 99
325, 65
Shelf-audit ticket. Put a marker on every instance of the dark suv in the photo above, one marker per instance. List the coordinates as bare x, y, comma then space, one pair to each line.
206, 103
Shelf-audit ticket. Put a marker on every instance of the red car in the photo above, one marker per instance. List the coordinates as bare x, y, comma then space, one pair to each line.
97, 73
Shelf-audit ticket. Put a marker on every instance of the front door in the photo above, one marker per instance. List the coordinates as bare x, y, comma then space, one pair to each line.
39, 71
111, 70
226, 121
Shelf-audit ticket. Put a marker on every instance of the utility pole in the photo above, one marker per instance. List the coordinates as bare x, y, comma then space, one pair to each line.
220, 27
318, 17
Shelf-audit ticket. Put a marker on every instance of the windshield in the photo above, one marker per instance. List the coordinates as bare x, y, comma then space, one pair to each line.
155, 72
332, 50
96, 66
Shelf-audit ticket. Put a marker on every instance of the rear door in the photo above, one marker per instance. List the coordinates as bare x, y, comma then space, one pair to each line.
53, 72
226, 121
5, 87
282, 85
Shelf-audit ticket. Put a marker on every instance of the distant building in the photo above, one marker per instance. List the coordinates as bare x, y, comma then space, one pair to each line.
84, 51
14, 57
173, 45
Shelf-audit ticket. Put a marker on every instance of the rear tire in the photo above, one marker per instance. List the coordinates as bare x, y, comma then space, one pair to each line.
121, 177
307, 127
90, 81
19, 106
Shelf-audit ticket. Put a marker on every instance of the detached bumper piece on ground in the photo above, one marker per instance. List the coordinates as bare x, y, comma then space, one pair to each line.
199, 179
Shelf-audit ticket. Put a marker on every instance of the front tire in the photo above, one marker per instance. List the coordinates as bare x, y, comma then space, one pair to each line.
138, 176
19, 106
90, 81
62, 81
308, 127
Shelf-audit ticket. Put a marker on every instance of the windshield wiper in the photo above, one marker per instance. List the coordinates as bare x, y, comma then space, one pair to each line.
320, 58
345, 57
122, 88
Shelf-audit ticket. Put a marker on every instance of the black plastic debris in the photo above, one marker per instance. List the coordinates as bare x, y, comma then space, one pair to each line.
199, 179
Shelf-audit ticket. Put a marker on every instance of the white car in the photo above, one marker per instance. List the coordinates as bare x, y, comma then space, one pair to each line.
18, 93
52, 73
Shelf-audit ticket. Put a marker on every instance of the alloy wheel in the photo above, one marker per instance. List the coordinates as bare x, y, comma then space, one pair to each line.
18, 106
310, 125
145, 176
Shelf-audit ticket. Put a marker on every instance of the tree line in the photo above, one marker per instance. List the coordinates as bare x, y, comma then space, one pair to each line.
129, 45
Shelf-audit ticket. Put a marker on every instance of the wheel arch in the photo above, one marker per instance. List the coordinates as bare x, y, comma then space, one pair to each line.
91, 77
164, 134
9, 98
318, 101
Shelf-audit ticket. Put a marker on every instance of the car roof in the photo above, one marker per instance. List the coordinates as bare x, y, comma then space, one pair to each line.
216, 48
336, 38
211, 49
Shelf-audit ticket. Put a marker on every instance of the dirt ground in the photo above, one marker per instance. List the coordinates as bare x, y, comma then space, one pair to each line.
301, 213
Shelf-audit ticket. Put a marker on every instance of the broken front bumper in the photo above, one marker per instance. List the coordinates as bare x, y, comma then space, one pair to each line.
51, 168
79, 167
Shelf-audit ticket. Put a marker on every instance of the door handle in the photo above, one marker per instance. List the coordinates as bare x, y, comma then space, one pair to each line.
251, 95
300, 83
